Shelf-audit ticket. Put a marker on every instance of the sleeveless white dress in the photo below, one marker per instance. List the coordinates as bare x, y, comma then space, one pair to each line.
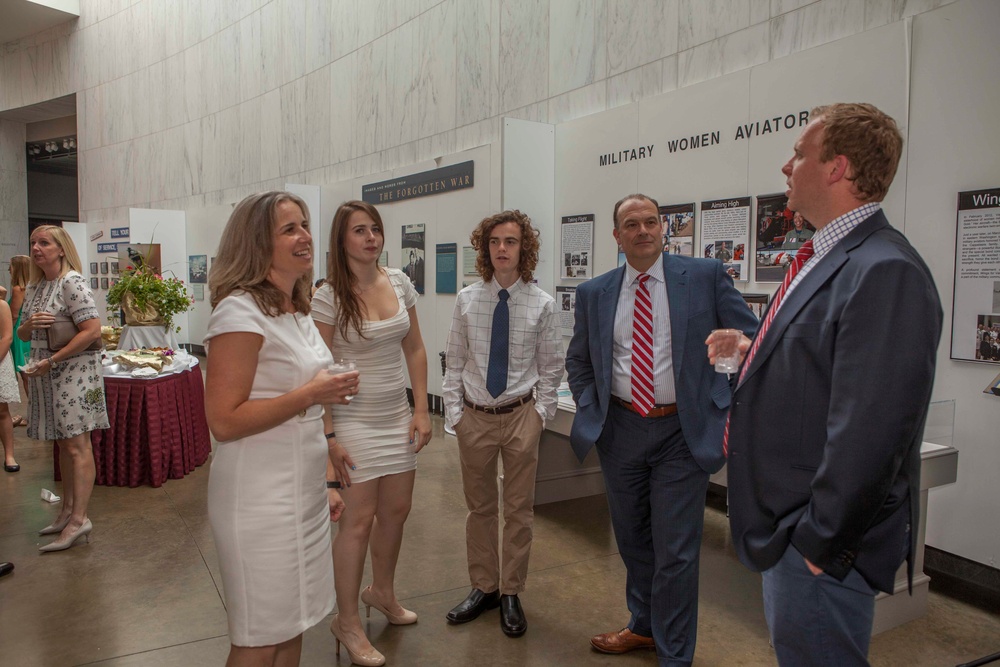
375, 428
267, 500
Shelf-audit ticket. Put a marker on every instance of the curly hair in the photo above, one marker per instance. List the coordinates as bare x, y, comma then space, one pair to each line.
529, 244
351, 309
245, 252
868, 138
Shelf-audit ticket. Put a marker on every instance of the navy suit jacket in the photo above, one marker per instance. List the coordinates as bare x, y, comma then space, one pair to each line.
701, 298
854, 346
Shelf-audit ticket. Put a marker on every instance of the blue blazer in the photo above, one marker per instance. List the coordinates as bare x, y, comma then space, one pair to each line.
854, 346
701, 298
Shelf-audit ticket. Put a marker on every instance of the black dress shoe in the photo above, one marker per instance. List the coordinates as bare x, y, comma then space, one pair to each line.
6, 568
471, 607
12, 468
512, 618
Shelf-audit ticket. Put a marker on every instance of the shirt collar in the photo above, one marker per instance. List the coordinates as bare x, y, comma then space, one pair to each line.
655, 272
824, 239
512, 291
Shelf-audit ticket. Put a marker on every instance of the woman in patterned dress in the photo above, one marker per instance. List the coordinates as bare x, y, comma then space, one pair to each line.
65, 387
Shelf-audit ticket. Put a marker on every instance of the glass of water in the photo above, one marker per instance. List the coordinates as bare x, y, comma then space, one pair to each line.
342, 366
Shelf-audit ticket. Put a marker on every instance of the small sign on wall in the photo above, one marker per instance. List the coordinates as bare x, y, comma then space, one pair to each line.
107, 247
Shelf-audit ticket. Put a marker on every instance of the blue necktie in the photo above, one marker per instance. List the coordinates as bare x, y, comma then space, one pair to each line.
496, 373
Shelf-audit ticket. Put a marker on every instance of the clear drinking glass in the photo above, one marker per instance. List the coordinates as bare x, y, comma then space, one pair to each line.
727, 359
342, 366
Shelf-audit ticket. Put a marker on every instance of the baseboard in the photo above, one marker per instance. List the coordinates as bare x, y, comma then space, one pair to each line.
964, 579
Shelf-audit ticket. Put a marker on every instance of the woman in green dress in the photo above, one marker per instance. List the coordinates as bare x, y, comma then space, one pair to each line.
19, 268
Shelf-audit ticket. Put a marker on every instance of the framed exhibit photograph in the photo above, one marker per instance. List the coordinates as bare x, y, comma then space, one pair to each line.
757, 303
104, 267
93, 267
93, 283
114, 268
104, 283
198, 269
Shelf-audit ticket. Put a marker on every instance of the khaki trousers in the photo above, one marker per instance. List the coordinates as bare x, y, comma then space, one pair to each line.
482, 439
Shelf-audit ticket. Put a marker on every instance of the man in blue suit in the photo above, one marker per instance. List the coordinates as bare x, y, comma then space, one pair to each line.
655, 409
825, 501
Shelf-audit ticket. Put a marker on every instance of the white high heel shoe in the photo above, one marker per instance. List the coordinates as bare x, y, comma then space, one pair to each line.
81, 532
56, 526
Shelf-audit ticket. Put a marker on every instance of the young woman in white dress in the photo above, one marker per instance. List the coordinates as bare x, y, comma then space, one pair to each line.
266, 388
367, 314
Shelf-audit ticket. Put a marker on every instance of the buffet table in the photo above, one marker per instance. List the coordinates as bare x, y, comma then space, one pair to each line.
158, 428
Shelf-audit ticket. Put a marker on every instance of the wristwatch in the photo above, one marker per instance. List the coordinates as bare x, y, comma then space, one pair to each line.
335, 484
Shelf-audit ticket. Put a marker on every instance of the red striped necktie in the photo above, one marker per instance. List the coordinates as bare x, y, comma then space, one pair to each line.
803, 255
643, 395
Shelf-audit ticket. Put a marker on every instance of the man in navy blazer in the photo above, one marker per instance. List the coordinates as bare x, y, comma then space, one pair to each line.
656, 465
824, 501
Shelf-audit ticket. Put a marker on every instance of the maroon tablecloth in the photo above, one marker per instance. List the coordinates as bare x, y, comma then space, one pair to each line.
158, 430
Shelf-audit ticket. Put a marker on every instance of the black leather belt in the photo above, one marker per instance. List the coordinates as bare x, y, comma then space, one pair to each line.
504, 409
662, 410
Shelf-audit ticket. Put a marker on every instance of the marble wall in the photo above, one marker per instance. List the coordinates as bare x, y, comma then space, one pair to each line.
193, 103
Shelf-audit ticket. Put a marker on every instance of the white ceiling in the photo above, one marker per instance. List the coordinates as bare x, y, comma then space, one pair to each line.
20, 18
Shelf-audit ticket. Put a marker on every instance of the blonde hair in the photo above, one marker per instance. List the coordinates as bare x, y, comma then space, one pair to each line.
70, 260
20, 270
245, 252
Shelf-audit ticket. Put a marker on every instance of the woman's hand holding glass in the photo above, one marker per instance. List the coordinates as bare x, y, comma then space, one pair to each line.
329, 388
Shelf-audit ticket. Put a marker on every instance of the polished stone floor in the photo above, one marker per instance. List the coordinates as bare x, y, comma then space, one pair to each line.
146, 590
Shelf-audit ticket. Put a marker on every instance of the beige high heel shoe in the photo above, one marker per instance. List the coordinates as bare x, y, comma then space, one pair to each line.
371, 659
83, 531
368, 597
56, 526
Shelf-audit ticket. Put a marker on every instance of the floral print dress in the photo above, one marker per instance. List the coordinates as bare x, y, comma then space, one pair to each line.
68, 400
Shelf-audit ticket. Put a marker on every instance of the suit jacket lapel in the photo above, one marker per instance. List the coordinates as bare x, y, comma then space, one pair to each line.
814, 280
678, 304
607, 308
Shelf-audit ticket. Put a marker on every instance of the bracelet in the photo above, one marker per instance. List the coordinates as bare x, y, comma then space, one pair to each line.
52, 362
335, 484
331, 435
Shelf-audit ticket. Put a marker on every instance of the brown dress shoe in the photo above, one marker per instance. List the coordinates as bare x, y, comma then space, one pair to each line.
622, 641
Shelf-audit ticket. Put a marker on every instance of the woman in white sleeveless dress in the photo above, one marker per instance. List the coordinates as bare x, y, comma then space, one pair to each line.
265, 390
367, 314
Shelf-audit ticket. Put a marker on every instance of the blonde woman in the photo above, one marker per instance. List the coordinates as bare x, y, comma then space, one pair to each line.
65, 386
367, 314
20, 269
266, 388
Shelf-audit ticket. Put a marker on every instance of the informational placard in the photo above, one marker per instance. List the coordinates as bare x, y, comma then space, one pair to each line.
566, 300
678, 229
423, 184
725, 224
198, 269
975, 324
469, 261
120, 232
413, 254
446, 266
577, 245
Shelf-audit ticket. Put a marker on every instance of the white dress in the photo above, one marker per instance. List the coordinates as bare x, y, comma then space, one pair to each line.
375, 428
267, 500
8, 381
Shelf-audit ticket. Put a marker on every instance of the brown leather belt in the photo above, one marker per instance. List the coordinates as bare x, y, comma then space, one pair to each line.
504, 409
657, 411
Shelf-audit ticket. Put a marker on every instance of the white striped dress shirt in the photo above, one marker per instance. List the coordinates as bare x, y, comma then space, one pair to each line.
663, 367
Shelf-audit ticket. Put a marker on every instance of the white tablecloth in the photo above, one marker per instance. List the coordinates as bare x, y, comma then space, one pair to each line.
155, 336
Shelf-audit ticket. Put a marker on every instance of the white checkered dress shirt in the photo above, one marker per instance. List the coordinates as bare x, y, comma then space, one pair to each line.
830, 235
536, 353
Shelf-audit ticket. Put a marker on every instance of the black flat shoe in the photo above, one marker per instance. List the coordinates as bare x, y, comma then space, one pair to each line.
471, 607
13, 468
512, 618
6, 568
